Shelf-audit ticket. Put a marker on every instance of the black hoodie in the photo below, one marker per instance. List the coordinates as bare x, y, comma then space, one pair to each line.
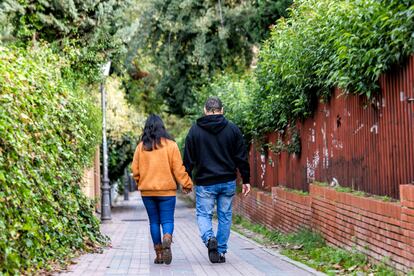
215, 148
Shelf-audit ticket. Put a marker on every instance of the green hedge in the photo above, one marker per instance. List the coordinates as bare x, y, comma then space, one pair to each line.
49, 129
326, 44
234, 90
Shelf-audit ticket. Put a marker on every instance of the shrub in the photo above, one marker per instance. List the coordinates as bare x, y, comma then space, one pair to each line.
49, 129
124, 128
235, 92
326, 44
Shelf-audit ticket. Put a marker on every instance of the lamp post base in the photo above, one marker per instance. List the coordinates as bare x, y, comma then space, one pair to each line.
106, 203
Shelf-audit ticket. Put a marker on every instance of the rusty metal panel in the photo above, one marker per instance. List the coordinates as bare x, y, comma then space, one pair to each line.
350, 141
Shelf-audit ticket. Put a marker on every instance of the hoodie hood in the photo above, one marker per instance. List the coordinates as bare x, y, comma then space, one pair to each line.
212, 123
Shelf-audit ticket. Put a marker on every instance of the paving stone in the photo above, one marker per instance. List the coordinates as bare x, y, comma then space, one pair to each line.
131, 251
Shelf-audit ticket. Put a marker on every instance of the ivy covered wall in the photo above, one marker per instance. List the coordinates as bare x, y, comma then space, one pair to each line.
49, 130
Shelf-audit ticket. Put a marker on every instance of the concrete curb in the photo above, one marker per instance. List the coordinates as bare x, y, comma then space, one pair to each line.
282, 257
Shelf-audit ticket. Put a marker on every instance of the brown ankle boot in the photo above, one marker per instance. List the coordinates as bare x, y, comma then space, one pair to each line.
158, 254
166, 248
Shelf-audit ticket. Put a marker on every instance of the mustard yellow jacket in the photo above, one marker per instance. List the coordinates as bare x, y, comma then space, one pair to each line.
157, 172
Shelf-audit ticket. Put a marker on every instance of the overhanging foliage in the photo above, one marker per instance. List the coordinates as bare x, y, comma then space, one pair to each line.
322, 45
326, 44
191, 41
94, 28
49, 129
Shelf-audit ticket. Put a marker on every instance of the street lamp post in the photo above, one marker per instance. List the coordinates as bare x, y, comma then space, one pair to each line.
105, 188
126, 185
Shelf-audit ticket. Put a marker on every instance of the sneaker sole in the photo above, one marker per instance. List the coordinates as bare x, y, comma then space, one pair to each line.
166, 251
213, 254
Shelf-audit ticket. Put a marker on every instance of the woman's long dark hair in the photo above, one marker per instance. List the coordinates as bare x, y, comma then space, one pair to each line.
154, 130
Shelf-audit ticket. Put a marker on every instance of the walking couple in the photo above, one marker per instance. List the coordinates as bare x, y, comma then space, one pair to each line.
214, 147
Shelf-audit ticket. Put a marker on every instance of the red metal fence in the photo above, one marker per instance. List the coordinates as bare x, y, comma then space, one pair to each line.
368, 146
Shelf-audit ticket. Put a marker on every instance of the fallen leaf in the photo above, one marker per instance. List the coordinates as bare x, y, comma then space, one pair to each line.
352, 268
297, 247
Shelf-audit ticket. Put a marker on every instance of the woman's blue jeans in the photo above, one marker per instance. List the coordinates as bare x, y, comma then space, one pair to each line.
206, 197
160, 210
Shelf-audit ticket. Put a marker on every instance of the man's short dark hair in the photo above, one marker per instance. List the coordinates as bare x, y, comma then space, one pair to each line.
213, 104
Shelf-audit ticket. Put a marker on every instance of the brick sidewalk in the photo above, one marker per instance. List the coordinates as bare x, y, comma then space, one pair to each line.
132, 253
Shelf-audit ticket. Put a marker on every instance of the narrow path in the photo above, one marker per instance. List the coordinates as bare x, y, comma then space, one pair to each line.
132, 254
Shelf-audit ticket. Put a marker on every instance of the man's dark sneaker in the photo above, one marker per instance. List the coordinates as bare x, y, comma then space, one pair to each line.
213, 254
222, 258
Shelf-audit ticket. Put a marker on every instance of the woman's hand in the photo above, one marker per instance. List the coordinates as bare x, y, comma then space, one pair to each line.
187, 190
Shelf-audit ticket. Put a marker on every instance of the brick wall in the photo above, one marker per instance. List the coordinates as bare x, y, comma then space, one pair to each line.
289, 212
377, 228
407, 220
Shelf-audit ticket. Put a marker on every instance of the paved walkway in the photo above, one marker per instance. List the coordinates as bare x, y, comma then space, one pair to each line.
132, 253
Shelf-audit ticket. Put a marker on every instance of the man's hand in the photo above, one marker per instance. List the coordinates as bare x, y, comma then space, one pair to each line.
246, 189
186, 190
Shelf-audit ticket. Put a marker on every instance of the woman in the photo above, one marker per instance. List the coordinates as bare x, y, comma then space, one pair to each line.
156, 168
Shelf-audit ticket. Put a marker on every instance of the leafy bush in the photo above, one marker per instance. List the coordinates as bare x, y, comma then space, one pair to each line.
235, 92
326, 44
125, 125
190, 41
120, 154
177, 127
49, 130
93, 28
265, 14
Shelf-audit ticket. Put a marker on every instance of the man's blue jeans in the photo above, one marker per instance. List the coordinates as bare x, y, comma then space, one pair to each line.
160, 210
206, 197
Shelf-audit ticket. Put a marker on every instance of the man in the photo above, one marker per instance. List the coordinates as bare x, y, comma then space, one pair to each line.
215, 148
